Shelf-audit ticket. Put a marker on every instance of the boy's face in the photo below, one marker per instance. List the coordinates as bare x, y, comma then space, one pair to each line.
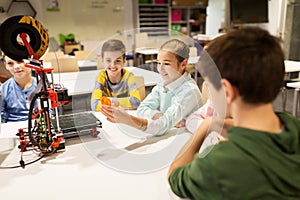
168, 66
113, 62
17, 69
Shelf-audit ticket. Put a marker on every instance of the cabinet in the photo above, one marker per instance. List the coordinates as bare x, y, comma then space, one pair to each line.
159, 17
154, 17
188, 20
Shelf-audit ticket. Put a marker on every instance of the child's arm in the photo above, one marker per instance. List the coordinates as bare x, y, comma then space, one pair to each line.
194, 120
3, 113
150, 105
192, 146
98, 92
181, 105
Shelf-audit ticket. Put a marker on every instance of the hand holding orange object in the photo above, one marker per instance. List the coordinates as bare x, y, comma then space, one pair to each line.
105, 101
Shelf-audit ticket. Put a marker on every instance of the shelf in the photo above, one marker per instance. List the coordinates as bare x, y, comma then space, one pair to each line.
151, 19
142, 15
154, 19
183, 18
154, 24
180, 22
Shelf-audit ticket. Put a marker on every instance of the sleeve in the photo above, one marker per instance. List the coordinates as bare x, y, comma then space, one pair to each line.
133, 99
196, 180
98, 92
3, 104
182, 103
150, 105
194, 120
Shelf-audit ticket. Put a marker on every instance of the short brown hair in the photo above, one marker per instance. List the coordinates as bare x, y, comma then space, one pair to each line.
251, 60
113, 45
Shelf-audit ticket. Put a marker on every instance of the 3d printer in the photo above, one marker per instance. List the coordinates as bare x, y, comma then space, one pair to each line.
23, 38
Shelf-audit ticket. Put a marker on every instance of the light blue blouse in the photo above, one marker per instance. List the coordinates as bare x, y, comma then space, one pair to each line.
175, 100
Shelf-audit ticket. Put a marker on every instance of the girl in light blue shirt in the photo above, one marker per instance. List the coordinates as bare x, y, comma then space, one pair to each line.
170, 102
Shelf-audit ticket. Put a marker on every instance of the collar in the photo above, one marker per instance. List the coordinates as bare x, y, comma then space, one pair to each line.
177, 83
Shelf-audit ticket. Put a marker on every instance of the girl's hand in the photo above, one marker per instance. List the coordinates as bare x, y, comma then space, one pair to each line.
157, 115
115, 114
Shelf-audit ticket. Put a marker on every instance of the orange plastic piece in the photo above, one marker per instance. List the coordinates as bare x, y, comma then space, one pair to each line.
53, 97
105, 101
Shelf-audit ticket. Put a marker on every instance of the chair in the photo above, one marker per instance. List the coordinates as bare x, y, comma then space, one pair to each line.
193, 51
53, 45
50, 55
85, 55
141, 86
191, 67
100, 65
129, 57
65, 65
141, 40
4, 73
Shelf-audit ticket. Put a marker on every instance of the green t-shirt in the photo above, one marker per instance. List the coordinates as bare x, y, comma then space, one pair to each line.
249, 165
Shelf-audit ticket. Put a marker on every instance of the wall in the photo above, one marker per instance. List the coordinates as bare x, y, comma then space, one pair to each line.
36, 4
291, 30
88, 20
215, 16
218, 12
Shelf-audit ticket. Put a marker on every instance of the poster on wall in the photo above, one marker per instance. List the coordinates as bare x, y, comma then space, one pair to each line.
52, 5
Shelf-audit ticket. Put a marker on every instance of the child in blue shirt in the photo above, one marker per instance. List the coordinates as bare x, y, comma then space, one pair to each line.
170, 102
15, 91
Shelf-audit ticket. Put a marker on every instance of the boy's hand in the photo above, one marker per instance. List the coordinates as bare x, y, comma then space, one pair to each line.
228, 123
180, 124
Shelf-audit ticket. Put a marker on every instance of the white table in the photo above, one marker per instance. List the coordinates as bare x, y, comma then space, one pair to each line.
296, 86
290, 67
83, 82
147, 51
193, 60
141, 52
86, 65
78, 174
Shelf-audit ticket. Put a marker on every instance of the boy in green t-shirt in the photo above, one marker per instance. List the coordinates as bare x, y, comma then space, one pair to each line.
260, 159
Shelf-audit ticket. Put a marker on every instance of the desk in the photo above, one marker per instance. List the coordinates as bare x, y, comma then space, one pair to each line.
296, 86
146, 52
78, 174
83, 82
83, 65
290, 68
293, 67
86, 65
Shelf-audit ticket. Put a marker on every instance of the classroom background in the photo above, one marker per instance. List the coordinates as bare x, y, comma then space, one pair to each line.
88, 23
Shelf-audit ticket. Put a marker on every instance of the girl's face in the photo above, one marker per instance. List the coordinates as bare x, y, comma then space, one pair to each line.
169, 67
113, 62
17, 69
